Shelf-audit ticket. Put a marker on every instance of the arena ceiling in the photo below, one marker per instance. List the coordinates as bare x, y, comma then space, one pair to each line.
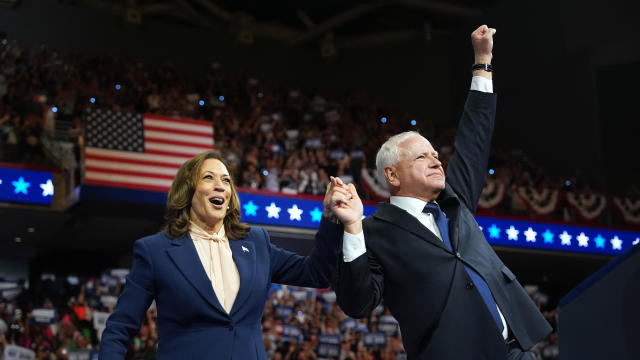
299, 23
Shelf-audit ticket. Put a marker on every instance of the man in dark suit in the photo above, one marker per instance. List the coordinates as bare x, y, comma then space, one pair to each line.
426, 256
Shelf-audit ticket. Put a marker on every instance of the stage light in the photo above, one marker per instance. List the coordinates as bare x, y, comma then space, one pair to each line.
491, 171
265, 172
92, 100
201, 102
221, 98
567, 183
383, 119
118, 86
413, 123
54, 109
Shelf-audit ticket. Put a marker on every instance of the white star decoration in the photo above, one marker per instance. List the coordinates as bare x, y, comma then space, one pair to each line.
294, 213
566, 238
636, 241
47, 188
616, 243
273, 211
583, 240
531, 235
512, 233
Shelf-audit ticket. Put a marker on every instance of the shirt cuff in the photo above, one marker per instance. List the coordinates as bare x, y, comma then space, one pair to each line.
482, 84
353, 246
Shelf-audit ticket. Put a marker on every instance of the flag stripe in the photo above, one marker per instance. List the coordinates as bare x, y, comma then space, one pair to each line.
178, 140
137, 168
128, 179
174, 136
178, 120
136, 158
173, 125
160, 148
177, 131
139, 174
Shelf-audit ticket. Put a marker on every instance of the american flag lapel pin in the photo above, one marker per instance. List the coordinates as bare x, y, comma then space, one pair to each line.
244, 249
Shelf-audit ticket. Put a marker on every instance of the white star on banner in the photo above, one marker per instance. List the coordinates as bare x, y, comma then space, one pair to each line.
273, 211
531, 235
47, 188
294, 213
636, 242
512, 233
566, 238
616, 243
583, 240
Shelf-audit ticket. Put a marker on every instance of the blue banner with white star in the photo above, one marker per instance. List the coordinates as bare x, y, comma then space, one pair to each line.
284, 211
560, 237
304, 212
26, 186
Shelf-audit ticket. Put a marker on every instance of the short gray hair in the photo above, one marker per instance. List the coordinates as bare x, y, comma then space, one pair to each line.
389, 153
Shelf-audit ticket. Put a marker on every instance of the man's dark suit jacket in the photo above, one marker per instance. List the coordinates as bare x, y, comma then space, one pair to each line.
425, 285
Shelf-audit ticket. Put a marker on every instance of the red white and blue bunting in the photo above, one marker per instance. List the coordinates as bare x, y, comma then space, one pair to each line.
628, 209
587, 206
542, 202
375, 186
492, 194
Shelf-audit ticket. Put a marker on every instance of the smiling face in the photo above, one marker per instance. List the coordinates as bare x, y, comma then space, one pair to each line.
418, 173
211, 197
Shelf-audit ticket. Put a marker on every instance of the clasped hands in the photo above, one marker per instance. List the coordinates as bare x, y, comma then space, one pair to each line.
341, 201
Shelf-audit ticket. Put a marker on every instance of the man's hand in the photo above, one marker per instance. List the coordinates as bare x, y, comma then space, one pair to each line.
343, 202
482, 40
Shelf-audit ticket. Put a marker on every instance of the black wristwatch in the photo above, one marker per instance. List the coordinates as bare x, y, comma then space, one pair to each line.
485, 67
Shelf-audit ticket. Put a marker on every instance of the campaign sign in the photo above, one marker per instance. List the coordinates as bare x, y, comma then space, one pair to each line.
290, 332
109, 301
329, 296
329, 346
14, 352
361, 327
347, 324
120, 274
299, 295
388, 324
284, 311
100, 322
83, 355
375, 339
44, 315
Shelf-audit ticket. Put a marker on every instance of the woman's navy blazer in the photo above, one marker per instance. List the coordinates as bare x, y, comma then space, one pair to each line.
191, 322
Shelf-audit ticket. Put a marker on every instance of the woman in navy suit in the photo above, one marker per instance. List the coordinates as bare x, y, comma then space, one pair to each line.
210, 274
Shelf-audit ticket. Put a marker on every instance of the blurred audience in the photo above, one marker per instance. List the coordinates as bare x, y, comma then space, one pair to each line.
297, 323
277, 138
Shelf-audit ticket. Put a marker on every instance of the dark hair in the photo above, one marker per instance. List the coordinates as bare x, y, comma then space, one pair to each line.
181, 193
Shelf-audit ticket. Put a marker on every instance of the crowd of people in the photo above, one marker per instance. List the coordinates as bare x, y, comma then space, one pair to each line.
297, 323
276, 137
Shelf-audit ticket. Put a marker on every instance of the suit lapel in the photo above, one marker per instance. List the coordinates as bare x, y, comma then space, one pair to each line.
244, 256
184, 255
397, 216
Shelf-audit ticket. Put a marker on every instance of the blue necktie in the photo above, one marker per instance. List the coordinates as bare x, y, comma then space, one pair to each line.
478, 281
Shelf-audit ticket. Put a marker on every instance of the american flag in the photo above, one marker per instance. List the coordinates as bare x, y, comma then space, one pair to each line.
138, 151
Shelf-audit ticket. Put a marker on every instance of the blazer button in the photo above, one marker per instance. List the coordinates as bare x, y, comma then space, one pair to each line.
458, 255
469, 286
